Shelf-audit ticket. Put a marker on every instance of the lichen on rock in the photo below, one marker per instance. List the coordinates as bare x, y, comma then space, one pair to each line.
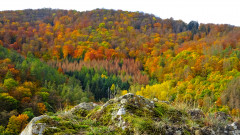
34, 128
132, 114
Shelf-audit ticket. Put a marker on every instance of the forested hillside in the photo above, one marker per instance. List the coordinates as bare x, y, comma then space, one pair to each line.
67, 57
30, 88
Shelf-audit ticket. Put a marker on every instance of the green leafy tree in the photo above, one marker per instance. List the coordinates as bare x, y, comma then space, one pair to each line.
29, 113
9, 75
7, 102
10, 83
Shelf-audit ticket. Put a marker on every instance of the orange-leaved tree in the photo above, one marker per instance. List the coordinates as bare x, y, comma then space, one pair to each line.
17, 123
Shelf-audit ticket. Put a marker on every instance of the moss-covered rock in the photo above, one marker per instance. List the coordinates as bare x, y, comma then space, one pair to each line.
51, 130
132, 114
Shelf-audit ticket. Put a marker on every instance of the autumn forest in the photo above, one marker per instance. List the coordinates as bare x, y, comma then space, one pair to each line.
51, 59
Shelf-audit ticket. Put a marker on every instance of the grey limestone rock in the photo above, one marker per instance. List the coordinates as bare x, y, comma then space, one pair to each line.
84, 105
34, 128
196, 113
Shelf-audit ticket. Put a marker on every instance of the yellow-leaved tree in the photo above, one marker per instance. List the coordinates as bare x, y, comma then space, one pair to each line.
160, 91
17, 123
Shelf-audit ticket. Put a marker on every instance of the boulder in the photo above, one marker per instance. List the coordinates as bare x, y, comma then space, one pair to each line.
121, 111
233, 129
222, 116
34, 128
196, 114
128, 95
123, 101
85, 106
207, 131
236, 125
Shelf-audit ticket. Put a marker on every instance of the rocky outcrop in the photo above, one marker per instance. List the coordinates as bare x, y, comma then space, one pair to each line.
222, 116
34, 128
230, 129
85, 106
133, 114
127, 103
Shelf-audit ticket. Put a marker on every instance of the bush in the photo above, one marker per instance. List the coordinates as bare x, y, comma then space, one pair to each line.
29, 113
160, 109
